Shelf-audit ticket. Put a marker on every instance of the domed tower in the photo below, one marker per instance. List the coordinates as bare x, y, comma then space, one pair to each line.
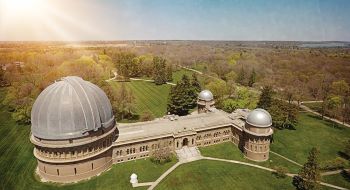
73, 128
257, 135
205, 101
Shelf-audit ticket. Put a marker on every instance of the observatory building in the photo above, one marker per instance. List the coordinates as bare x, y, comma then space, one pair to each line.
76, 136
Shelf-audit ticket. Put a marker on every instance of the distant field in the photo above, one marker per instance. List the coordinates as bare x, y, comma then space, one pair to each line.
148, 96
206, 174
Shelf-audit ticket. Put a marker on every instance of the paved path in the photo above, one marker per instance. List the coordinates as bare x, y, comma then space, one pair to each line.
333, 172
319, 114
164, 175
292, 161
154, 184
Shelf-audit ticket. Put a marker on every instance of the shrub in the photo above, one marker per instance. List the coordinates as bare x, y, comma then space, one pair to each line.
161, 156
147, 116
281, 172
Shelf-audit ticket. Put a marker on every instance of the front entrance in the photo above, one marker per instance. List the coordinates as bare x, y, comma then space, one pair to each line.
185, 142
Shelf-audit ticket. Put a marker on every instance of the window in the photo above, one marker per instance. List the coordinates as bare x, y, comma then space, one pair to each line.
92, 166
192, 141
177, 144
75, 171
44, 169
58, 172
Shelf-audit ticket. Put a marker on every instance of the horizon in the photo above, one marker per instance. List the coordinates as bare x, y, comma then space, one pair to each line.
197, 20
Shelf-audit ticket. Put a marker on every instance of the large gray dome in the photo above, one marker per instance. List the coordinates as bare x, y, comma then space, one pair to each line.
206, 95
259, 118
70, 108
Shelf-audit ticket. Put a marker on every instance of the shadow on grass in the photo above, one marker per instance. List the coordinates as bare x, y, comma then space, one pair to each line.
345, 175
343, 155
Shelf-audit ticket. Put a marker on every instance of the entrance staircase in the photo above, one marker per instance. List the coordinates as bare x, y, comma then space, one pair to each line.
188, 154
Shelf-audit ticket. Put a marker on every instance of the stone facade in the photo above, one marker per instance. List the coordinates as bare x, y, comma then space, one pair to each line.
71, 160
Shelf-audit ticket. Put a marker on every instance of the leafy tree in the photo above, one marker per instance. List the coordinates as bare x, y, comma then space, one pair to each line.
284, 115
127, 64
219, 90
252, 78
265, 99
241, 77
309, 175
159, 70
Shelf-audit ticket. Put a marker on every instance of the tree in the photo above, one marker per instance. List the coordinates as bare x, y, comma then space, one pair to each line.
124, 103
169, 73
284, 114
309, 175
252, 78
241, 77
126, 63
159, 70
182, 97
195, 83
219, 90
265, 99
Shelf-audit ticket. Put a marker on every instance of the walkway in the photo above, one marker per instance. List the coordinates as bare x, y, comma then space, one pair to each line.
292, 161
317, 113
154, 184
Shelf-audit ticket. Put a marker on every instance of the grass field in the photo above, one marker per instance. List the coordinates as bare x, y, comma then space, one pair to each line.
231, 152
148, 96
310, 132
17, 163
337, 179
206, 174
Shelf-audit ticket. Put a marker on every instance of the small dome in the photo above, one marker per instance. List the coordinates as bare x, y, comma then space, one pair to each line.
70, 108
259, 118
133, 176
133, 179
206, 95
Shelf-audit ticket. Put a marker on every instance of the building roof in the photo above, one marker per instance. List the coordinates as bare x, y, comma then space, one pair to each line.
174, 125
206, 95
259, 118
70, 108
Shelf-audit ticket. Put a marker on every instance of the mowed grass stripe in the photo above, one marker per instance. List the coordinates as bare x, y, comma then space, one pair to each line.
148, 96
154, 96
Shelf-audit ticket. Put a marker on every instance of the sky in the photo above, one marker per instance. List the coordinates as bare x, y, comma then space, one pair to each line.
79, 20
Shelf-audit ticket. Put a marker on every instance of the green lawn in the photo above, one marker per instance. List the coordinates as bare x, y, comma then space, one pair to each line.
207, 174
231, 152
311, 132
337, 179
177, 75
17, 163
148, 96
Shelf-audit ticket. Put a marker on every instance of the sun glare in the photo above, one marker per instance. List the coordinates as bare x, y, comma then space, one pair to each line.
22, 7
